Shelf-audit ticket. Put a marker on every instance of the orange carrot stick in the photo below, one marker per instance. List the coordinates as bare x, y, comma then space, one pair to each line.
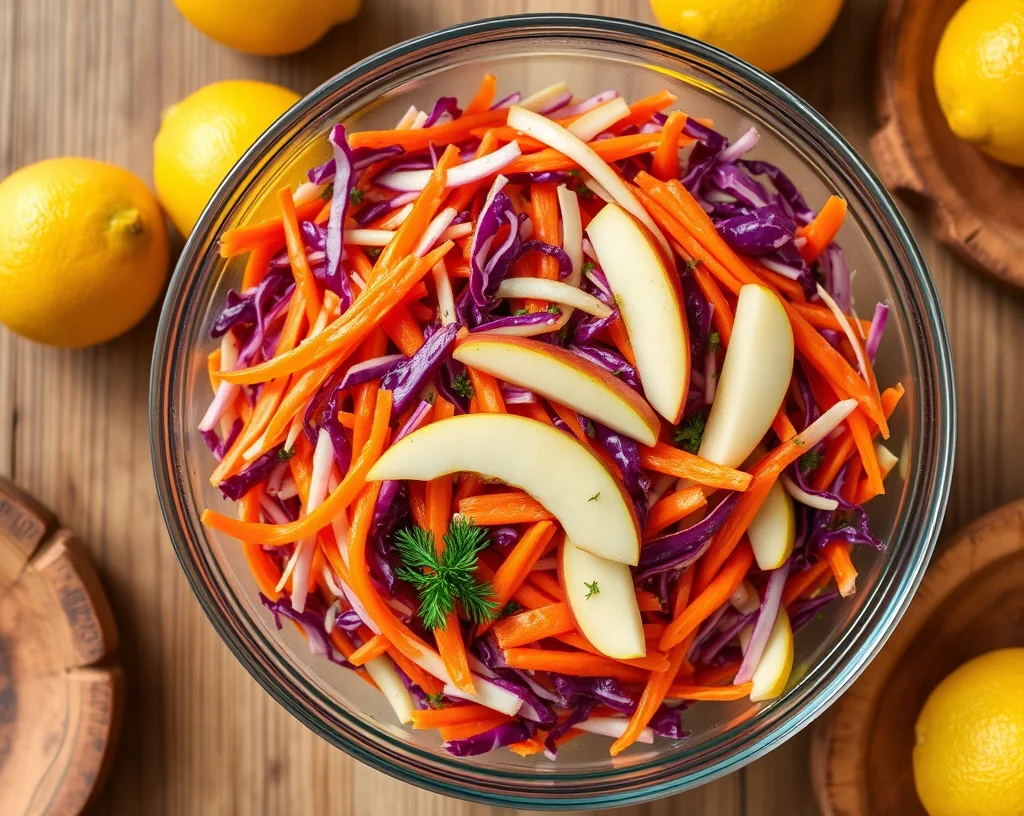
484, 96
666, 459
439, 135
374, 647
578, 664
643, 109
535, 624
614, 149
488, 393
665, 164
719, 693
659, 682
471, 729
267, 236
673, 508
569, 417
263, 568
303, 275
361, 318
517, 565
723, 317
462, 196
715, 594
275, 535
823, 229
503, 508
256, 267
450, 715
647, 601
617, 332
799, 582
547, 584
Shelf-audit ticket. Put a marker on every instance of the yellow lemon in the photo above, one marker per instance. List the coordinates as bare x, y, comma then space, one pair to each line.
202, 137
969, 752
84, 251
979, 76
267, 27
771, 34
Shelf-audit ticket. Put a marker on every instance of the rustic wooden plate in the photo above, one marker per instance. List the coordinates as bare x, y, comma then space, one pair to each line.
976, 203
970, 602
60, 693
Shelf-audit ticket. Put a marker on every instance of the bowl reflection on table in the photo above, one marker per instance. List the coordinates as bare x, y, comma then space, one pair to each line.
591, 54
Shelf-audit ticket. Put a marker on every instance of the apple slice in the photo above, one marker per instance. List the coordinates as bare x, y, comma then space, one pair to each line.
567, 478
776, 664
565, 378
755, 376
772, 532
602, 601
649, 300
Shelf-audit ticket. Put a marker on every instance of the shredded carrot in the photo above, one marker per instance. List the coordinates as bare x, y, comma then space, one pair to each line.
570, 418
267, 236
462, 196
658, 683
673, 508
838, 557
610, 150
297, 256
578, 664
374, 647
799, 582
438, 135
718, 676
488, 393
716, 593
666, 459
619, 336
275, 535
647, 601
450, 715
721, 693
468, 486
547, 583
532, 625
529, 747
822, 230
471, 729
496, 509
484, 96
518, 563
358, 321
643, 109
665, 164
723, 316
256, 267
213, 369
264, 569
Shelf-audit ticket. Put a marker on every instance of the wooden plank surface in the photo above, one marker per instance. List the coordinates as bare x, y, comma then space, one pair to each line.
90, 77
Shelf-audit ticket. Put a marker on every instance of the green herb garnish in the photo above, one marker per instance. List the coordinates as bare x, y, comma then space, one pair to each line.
430, 397
436, 700
441, 580
714, 341
373, 253
285, 454
511, 608
588, 266
810, 460
688, 436
691, 265
554, 309
520, 312
356, 196
591, 589
328, 192
595, 497
463, 386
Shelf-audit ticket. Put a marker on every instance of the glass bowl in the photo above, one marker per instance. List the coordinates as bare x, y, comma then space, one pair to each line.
591, 53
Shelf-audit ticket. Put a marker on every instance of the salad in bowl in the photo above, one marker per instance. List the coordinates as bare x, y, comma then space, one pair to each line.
548, 416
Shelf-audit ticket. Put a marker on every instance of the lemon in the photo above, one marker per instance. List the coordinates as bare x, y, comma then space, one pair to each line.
267, 27
979, 76
202, 137
771, 34
84, 251
969, 753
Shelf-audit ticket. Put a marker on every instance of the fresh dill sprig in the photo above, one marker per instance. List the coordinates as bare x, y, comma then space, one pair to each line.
436, 700
810, 460
356, 196
463, 386
592, 589
714, 341
285, 454
688, 436
441, 580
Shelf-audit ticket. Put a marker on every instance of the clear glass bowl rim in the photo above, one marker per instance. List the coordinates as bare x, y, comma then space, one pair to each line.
614, 787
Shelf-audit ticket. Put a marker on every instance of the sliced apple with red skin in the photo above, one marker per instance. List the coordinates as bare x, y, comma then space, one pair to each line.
755, 376
602, 601
650, 304
776, 664
564, 377
566, 477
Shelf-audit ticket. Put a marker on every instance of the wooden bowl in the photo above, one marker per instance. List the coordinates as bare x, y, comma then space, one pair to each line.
60, 693
971, 601
976, 203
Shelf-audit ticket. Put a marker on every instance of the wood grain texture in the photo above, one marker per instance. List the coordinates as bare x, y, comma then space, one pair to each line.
90, 77
975, 201
969, 603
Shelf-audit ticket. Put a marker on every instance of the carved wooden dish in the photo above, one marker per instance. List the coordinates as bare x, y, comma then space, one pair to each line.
60, 694
976, 203
971, 601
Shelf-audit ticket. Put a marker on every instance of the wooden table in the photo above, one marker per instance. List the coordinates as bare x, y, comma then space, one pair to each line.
90, 77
